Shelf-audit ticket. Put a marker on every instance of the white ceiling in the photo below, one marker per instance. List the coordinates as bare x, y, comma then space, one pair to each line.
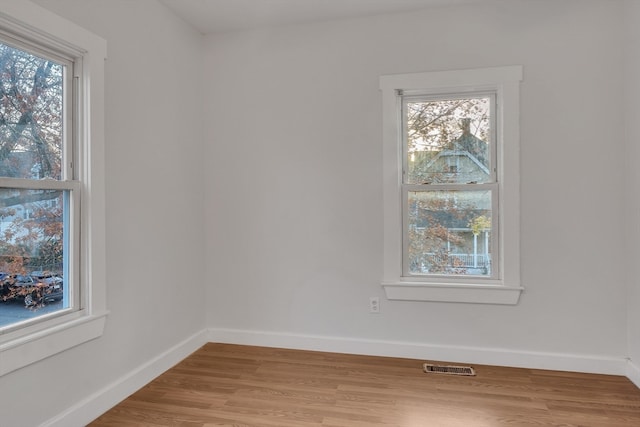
213, 16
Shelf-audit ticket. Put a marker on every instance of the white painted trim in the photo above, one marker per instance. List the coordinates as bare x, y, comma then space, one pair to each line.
99, 402
609, 365
470, 78
47, 342
477, 294
28, 345
633, 373
506, 82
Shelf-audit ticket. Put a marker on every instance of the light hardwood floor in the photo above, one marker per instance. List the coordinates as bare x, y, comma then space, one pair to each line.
232, 385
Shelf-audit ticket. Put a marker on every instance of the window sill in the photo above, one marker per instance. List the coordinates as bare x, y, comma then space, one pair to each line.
31, 348
474, 294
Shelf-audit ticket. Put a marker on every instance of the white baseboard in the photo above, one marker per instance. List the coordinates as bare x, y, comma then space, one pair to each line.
96, 404
456, 354
633, 373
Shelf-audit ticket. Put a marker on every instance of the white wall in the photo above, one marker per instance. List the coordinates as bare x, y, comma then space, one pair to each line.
294, 197
631, 223
154, 208
291, 179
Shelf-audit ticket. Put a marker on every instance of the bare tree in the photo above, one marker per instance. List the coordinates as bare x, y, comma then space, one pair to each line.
31, 131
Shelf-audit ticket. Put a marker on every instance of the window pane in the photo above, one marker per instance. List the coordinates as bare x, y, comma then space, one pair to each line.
32, 245
448, 140
31, 109
449, 232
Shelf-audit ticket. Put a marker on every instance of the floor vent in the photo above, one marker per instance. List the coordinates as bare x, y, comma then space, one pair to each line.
449, 370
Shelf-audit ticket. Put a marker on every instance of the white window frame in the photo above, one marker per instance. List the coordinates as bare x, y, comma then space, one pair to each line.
505, 288
490, 185
20, 347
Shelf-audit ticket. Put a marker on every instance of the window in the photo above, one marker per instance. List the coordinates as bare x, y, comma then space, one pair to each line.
451, 185
37, 168
52, 289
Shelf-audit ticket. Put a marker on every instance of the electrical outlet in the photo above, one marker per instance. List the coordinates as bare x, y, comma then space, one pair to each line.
374, 305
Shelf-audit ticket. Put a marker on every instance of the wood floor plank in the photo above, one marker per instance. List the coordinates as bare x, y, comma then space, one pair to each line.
232, 385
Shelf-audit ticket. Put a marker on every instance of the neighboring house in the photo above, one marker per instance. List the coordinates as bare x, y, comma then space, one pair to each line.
464, 160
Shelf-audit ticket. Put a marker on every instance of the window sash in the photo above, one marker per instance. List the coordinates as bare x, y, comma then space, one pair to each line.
494, 240
39, 184
71, 247
71, 65
406, 97
68, 183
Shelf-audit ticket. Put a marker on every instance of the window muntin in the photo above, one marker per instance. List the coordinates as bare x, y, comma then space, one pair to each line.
38, 193
449, 188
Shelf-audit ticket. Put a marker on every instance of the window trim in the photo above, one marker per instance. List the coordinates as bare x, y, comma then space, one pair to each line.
505, 289
35, 342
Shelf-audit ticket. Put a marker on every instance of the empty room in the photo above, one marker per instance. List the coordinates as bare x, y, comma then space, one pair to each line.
319, 212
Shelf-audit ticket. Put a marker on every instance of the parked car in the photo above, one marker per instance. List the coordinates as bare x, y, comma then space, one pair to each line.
33, 290
46, 277
24, 280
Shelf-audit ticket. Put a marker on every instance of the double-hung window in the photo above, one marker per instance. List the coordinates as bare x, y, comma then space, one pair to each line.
39, 189
52, 289
451, 185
